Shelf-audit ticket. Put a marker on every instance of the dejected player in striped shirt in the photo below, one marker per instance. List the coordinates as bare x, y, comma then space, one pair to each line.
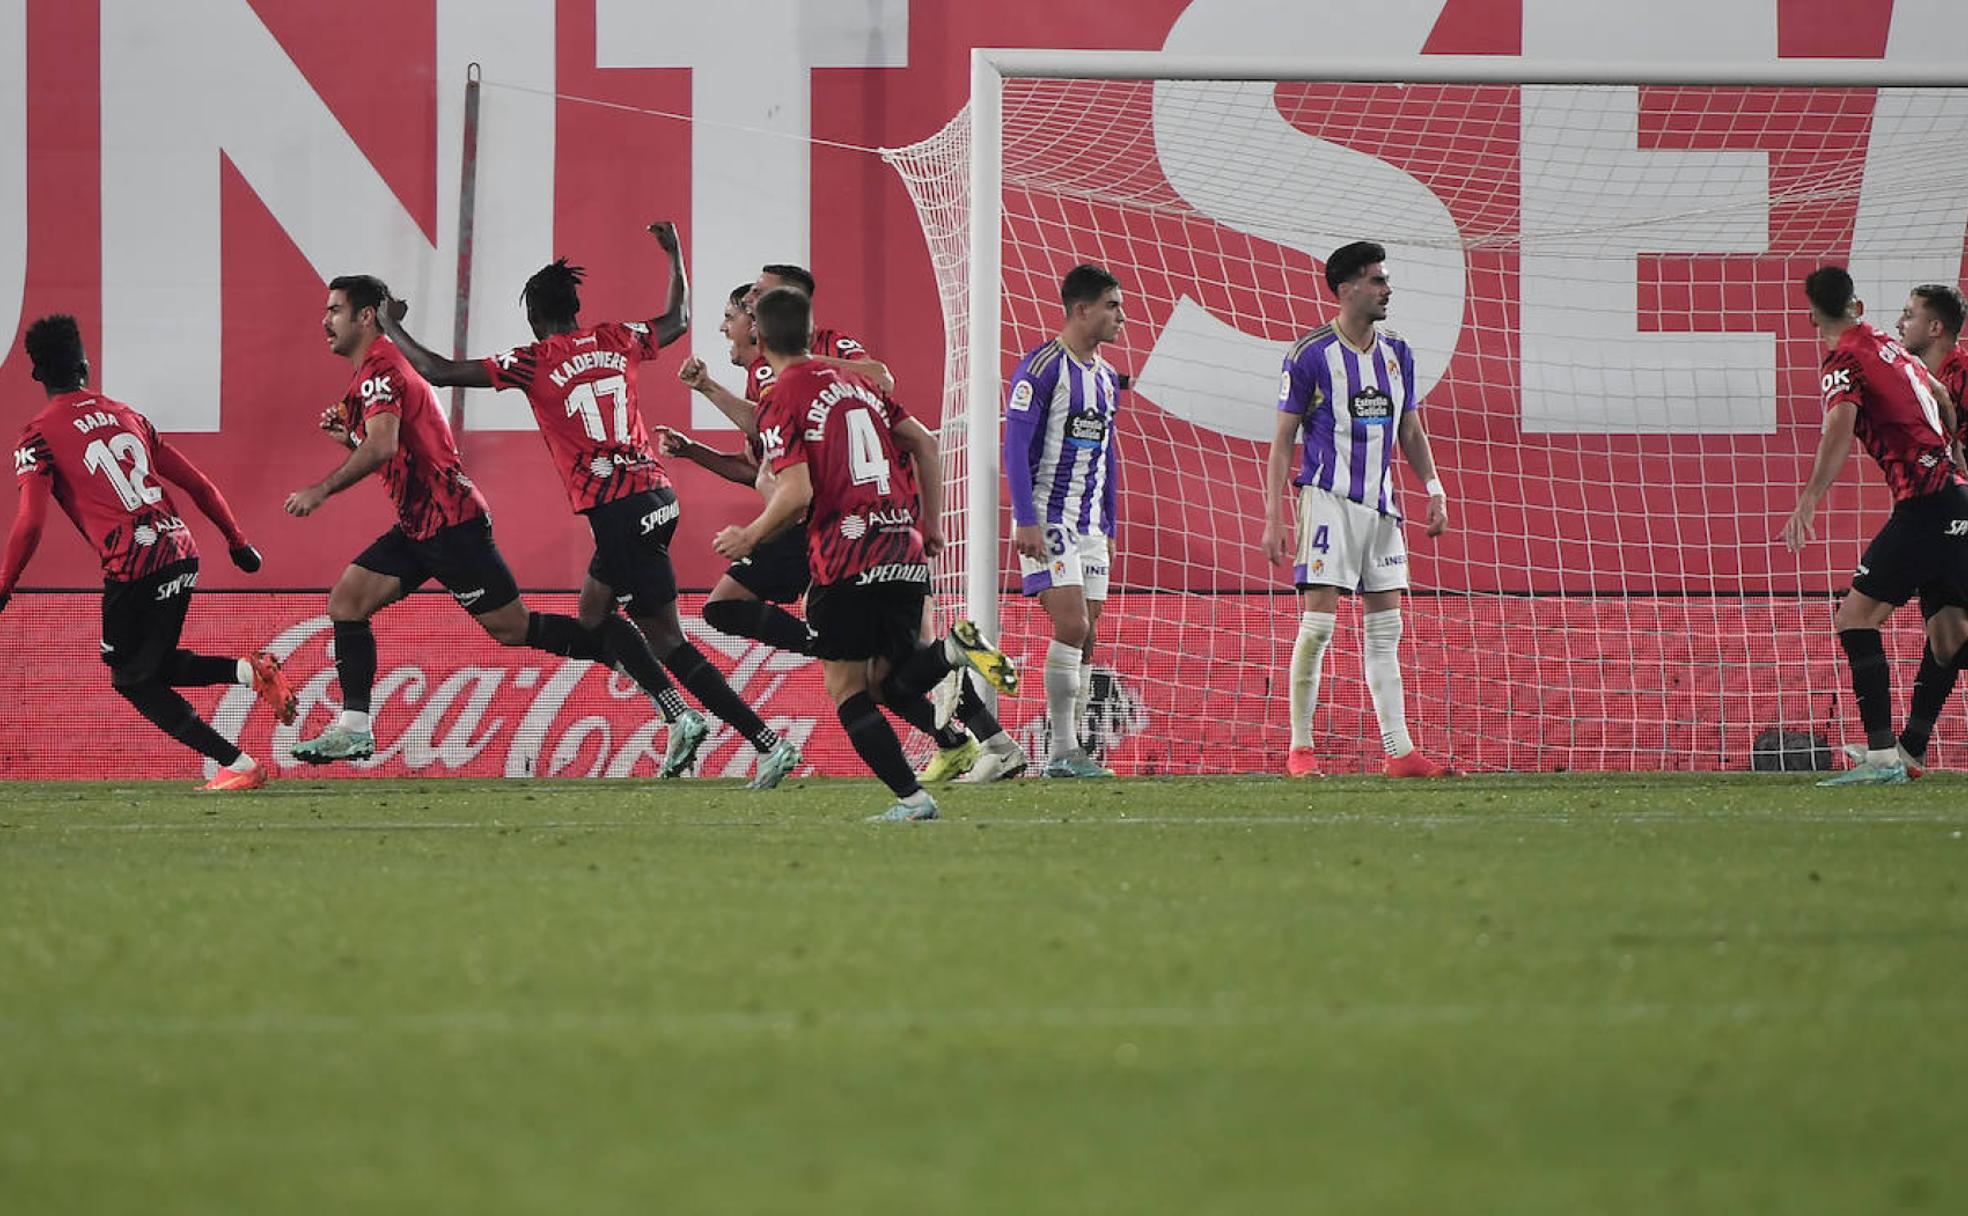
1350, 387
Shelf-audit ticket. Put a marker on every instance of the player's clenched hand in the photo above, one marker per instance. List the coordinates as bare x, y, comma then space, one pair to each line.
933, 541
305, 502
5, 596
1276, 544
246, 557
732, 543
694, 373
1797, 530
665, 233
1438, 515
672, 442
1029, 541
396, 309
334, 420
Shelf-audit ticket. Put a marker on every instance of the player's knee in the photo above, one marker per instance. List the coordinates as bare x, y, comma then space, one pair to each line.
664, 636
845, 680
1071, 627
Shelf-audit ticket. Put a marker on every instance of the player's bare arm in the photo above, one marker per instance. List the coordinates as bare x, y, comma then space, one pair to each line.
174, 467
792, 493
868, 368
1276, 540
378, 447
742, 413
1834, 445
446, 373
1414, 446
915, 439
29, 518
736, 467
674, 321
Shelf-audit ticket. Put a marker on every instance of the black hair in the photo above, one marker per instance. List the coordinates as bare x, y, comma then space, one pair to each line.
739, 293
1944, 301
360, 290
54, 347
1085, 284
1349, 260
784, 317
553, 294
791, 276
1829, 288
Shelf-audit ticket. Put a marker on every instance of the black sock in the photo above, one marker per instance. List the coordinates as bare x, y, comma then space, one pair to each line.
919, 713
626, 646
355, 663
707, 684
1930, 692
174, 715
768, 623
917, 674
874, 739
1872, 684
973, 712
563, 635
187, 670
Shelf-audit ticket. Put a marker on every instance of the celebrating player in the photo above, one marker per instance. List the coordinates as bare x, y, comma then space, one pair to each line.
390, 420
836, 446
1351, 387
97, 457
581, 382
1874, 389
1059, 458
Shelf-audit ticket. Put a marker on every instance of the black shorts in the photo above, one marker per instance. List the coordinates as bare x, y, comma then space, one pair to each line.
462, 557
878, 621
142, 621
632, 549
776, 571
1923, 548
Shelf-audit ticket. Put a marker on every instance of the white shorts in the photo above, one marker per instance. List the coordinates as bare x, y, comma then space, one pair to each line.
1073, 559
1344, 544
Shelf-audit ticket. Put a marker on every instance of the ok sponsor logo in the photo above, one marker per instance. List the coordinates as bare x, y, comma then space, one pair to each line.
377, 388
1838, 381
773, 440
24, 461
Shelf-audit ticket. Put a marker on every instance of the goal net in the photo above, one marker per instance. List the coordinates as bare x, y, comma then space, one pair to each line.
1601, 283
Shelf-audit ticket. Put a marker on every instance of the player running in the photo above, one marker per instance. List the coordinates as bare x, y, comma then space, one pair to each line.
581, 382
1351, 387
98, 458
836, 446
1876, 390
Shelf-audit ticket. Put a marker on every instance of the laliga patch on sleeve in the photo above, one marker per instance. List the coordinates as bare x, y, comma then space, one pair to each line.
1021, 395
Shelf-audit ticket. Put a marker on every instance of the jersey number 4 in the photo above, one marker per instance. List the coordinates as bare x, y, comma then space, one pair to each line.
108, 456
585, 400
866, 462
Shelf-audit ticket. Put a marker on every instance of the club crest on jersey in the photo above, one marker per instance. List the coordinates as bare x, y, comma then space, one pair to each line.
853, 527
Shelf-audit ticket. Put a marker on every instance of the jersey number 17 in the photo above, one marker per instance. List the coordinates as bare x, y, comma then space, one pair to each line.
585, 399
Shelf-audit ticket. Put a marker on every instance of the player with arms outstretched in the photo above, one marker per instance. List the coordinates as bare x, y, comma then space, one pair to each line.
836, 445
1875, 390
98, 458
1350, 387
581, 382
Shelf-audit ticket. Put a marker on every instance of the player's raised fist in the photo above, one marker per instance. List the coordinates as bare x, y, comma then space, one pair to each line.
246, 557
394, 309
672, 442
694, 373
665, 233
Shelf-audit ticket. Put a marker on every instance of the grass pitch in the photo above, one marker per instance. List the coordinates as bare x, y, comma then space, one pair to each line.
1524, 995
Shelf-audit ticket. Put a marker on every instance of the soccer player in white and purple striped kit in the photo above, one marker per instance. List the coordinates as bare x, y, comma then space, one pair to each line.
1059, 461
1351, 387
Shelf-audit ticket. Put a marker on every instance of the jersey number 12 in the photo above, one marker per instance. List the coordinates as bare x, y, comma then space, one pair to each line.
108, 456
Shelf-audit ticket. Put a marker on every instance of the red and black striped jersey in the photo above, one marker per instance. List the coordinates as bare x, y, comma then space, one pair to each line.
1898, 419
425, 479
101, 456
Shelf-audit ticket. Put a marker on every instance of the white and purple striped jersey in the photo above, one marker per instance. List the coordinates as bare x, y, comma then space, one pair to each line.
1352, 401
1059, 441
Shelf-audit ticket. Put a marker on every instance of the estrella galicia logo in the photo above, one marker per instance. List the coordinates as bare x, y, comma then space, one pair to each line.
1372, 405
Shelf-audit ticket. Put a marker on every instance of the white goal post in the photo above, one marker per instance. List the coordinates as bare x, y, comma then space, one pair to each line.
1732, 153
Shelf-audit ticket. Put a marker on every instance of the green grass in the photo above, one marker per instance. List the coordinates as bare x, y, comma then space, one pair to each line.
1523, 995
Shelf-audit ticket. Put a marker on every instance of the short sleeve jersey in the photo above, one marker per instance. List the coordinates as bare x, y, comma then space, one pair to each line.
1352, 402
862, 525
99, 454
1898, 420
831, 343
425, 479
582, 387
1953, 376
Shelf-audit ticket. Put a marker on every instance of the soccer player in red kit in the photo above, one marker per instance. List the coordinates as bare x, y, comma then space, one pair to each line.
391, 420
98, 458
581, 382
836, 445
1875, 390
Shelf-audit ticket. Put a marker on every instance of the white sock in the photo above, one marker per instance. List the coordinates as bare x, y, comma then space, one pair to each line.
352, 720
243, 674
1001, 743
1884, 757
1062, 689
245, 764
916, 799
1083, 702
1315, 629
1380, 656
